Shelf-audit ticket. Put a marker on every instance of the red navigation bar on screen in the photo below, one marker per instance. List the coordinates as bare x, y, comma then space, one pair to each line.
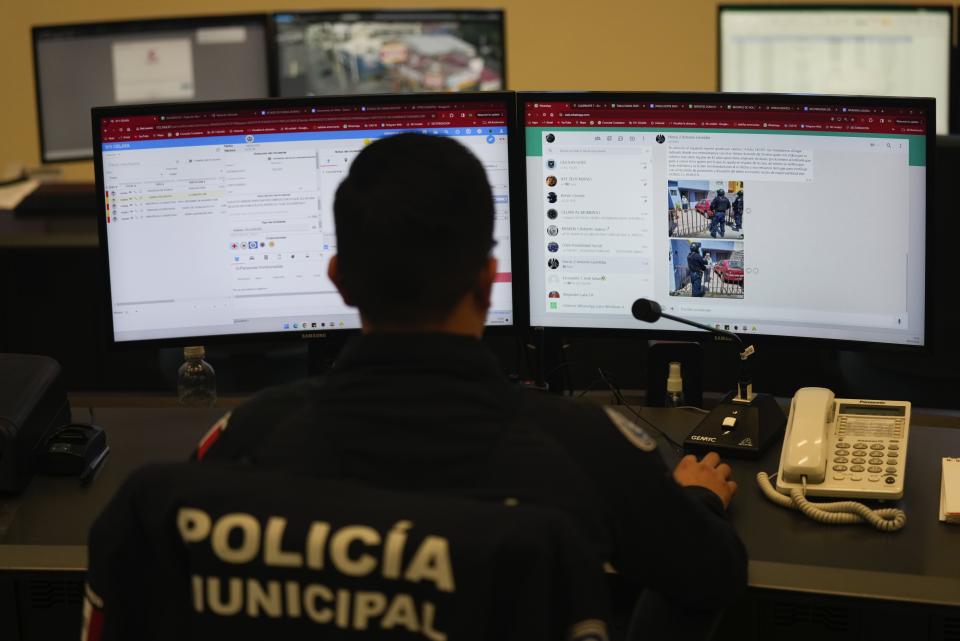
302, 119
674, 115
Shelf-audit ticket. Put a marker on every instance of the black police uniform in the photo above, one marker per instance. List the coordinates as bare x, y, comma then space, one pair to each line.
738, 212
697, 266
432, 413
159, 570
719, 205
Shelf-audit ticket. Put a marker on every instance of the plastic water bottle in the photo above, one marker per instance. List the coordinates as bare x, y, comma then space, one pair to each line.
196, 380
674, 386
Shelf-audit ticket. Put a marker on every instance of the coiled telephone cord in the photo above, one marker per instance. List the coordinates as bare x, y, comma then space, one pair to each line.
837, 513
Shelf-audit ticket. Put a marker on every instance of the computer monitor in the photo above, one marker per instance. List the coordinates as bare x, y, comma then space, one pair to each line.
80, 66
824, 232
883, 50
217, 218
388, 51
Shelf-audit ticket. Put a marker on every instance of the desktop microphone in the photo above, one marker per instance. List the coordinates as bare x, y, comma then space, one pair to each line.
646, 310
744, 423
650, 311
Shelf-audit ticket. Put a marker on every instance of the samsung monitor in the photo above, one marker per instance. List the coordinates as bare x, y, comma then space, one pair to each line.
767, 215
885, 50
388, 51
81, 66
216, 219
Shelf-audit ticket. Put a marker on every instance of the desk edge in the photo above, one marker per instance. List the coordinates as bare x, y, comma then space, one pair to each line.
864, 584
43, 558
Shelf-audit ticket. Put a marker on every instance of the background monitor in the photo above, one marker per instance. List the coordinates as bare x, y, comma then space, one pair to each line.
82, 66
216, 218
867, 50
389, 51
830, 243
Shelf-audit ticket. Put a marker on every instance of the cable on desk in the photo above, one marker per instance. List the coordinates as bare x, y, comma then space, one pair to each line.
837, 513
623, 401
589, 388
693, 408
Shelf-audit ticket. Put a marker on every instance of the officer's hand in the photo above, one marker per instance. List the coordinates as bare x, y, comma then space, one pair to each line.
708, 472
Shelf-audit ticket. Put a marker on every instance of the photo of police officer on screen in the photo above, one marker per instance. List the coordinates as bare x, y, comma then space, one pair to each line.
719, 206
705, 208
708, 268
738, 212
697, 265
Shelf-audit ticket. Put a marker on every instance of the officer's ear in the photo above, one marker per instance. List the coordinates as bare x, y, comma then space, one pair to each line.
484, 285
333, 271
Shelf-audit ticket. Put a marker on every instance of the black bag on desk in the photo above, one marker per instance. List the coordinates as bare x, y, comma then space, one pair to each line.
33, 400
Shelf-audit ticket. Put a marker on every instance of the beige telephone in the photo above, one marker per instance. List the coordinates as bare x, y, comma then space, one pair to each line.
842, 448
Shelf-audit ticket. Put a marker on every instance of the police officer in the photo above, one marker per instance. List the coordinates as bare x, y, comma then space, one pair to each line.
719, 205
417, 403
738, 212
697, 266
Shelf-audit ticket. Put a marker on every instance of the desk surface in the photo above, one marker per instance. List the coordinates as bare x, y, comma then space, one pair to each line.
788, 551
46, 527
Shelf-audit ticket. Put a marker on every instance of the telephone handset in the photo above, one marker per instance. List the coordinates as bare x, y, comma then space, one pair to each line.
804, 452
842, 448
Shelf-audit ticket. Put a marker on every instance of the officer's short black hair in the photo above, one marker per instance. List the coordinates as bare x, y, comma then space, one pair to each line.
414, 221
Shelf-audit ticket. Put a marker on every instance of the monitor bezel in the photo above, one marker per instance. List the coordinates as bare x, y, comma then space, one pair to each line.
517, 250
411, 14
127, 26
646, 331
952, 98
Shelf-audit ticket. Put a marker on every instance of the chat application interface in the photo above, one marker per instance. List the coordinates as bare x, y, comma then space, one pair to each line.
800, 220
222, 222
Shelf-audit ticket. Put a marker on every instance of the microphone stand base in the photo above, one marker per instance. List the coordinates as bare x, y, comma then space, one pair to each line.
737, 429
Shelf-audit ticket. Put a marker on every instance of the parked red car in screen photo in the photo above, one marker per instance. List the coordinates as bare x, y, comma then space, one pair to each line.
731, 271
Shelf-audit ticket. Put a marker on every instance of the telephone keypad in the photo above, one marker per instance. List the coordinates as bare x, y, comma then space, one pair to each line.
866, 451
859, 455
